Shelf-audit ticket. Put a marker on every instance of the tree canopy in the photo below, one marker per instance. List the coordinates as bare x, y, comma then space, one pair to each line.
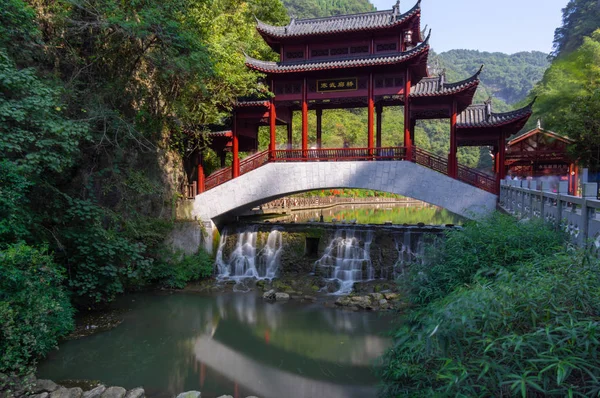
326, 8
580, 19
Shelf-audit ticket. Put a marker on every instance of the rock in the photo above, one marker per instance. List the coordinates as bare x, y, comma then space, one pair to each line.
44, 385
63, 392
310, 298
282, 296
136, 393
225, 396
270, 295
383, 302
296, 297
95, 393
40, 395
390, 296
114, 392
377, 296
343, 301
189, 394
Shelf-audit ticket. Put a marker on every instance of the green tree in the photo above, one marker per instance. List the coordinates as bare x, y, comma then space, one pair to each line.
580, 19
569, 99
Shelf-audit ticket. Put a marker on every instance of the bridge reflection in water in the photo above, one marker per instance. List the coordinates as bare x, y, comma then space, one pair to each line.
229, 344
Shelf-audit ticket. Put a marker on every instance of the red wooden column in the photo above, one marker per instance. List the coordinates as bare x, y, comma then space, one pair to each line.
501, 161
319, 127
407, 124
370, 117
378, 130
304, 120
272, 130
452, 159
200, 172
235, 147
290, 131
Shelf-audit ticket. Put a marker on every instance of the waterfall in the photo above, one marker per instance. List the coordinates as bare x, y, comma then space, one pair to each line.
410, 250
246, 261
345, 257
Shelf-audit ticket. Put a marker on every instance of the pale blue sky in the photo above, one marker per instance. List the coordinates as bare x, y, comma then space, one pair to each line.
507, 26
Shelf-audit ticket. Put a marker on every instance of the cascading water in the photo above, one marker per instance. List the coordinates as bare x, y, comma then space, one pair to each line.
246, 261
346, 257
410, 250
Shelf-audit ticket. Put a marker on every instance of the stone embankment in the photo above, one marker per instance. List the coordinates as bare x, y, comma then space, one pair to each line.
30, 387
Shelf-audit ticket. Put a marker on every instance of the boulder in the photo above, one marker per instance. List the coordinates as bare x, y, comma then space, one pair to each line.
282, 296
95, 393
310, 298
377, 296
270, 295
42, 385
136, 393
343, 301
40, 395
63, 392
390, 296
114, 392
383, 302
189, 394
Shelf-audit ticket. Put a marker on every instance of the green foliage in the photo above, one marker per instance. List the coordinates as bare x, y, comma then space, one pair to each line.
505, 310
181, 269
14, 217
325, 8
480, 250
533, 331
34, 309
33, 131
18, 31
580, 19
569, 99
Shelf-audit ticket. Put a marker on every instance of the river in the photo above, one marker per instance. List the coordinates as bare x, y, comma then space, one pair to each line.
234, 344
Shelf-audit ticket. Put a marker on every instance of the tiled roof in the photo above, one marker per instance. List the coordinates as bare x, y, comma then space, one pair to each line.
340, 24
435, 86
337, 63
224, 133
481, 115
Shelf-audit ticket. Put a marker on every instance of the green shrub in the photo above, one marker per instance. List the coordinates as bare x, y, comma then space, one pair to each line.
535, 331
176, 272
480, 248
34, 309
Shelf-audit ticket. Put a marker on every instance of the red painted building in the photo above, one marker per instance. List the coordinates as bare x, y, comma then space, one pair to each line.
541, 155
370, 60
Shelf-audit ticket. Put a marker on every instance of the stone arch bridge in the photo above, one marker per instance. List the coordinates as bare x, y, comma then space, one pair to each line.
273, 180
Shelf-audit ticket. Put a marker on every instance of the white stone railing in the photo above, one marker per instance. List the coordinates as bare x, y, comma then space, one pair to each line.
577, 215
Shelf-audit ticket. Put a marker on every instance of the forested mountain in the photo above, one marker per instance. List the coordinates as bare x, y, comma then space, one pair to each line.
507, 77
325, 8
580, 19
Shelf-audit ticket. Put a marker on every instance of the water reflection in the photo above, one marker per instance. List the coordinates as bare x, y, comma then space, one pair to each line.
377, 214
229, 344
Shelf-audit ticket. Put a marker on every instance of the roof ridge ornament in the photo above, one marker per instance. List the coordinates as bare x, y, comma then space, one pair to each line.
539, 124
396, 9
488, 108
480, 70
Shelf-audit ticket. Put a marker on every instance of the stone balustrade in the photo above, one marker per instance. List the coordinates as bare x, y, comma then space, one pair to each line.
576, 215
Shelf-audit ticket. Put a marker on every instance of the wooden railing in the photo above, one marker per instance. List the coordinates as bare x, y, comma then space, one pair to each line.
419, 156
339, 154
477, 179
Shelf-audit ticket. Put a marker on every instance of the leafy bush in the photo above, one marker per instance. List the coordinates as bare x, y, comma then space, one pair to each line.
34, 309
480, 248
179, 270
535, 331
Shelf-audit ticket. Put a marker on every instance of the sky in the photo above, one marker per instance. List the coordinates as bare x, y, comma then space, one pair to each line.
507, 26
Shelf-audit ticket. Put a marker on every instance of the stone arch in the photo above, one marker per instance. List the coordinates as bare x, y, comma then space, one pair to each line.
276, 180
